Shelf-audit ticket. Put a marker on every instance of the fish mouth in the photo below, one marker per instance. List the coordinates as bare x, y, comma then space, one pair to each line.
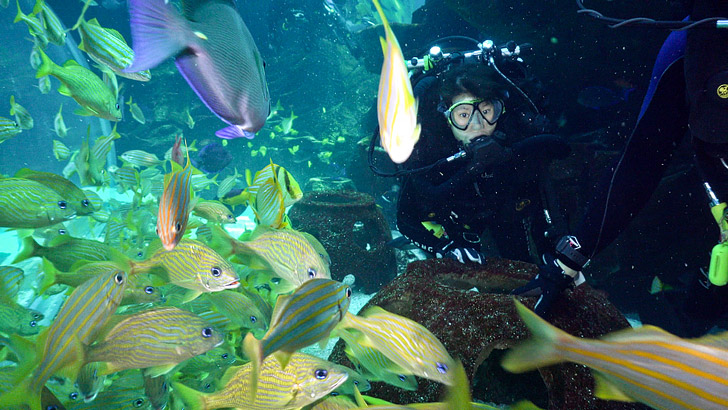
232, 285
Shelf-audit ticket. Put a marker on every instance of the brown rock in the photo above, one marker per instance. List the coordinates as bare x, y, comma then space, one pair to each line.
477, 327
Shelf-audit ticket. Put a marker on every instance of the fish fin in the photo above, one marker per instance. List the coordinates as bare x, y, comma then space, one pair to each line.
76, 360
190, 295
254, 350
12, 106
606, 390
519, 405
20, 15
193, 399
38, 6
28, 248
45, 68
323, 343
71, 63
20, 394
248, 175
539, 351
458, 394
359, 399
49, 276
157, 371
83, 111
233, 132
719, 340
27, 353
283, 358
158, 32
384, 44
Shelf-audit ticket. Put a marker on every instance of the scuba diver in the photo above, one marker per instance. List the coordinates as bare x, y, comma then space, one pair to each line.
476, 167
688, 94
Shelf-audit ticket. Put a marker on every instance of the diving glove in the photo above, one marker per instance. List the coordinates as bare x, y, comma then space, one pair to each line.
486, 152
550, 282
465, 255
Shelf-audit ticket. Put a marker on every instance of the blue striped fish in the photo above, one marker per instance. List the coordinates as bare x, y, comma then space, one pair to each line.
89, 381
60, 151
74, 196
301, 319
240, 309
396, 105
101, 148
118, 398
11, 278
227, 184
16, 319
35, 26
373, 364
175, 205
59, 125
156, 340
157, 391
647, 365
405, 342
76, 326
53, 26
192, 265
8, 129
30, 204
305, 380
22, 115
94, 199
107, 46
65, 251
139, 158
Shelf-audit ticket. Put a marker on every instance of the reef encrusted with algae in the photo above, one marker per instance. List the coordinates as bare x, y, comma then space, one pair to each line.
470, 310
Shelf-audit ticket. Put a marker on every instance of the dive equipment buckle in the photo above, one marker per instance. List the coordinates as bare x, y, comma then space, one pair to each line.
718, 270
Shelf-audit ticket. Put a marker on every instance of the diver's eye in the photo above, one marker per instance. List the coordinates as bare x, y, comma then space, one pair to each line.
442, 368
253, 319
62, 232
138, 403
149, 290
62, 204
119, 278
177, 227
33, 323
402, 377
311, 272
207, 332
348, 292
85, 202
321, 374
73, 396
216, 271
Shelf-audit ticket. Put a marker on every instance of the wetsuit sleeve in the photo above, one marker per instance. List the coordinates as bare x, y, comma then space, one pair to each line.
629, 183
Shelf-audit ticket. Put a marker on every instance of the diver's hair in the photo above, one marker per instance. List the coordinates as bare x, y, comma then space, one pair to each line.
475, 79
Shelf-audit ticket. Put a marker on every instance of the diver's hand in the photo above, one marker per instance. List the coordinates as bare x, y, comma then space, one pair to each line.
485, 152
464, 255
550, 282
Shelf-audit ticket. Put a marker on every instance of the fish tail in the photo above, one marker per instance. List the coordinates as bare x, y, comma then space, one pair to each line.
385, 23
46, 65
254, 350
21, 395
195, 400
539, 351
20, 14
12, 105
38, 6
458, 395
28, 248
158, 32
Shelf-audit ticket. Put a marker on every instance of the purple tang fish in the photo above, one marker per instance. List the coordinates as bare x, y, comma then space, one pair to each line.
214, 52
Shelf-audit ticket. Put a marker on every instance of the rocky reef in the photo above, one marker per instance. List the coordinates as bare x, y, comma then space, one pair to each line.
469, 309
353, 231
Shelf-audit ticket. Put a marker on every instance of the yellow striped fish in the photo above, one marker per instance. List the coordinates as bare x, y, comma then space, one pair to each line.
405, 342
53, 26
65, 252
646, 365
8, 129
16, 319
214, 211
66, 189
60, 151
139, 158
89, 381
301, 319
287, 252
117, 398
334, 403
192, 265
374, 365
156, 340
396, 105
108, 47
175, 205
305, 380
157, 391
76, 326
30, 204
240, 309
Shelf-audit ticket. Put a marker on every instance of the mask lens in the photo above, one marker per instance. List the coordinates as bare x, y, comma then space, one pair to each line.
460, 115
491, 110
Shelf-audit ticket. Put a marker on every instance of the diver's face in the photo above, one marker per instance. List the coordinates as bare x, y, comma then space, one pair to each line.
478, 126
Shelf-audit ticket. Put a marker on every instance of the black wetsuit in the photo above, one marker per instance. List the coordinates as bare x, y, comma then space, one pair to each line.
506, 198
685, 97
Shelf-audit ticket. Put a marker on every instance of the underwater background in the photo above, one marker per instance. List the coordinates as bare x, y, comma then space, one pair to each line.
322, 64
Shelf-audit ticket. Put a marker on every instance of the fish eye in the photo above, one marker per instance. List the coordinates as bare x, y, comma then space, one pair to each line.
442, 368
73, 396
275, 281
253, 319
177, 227
207, 386
334, 393
37, 316
216, 271
311, 272
321, 374
62, 232
348, 292
62, 204
33, 323
149, 290
402, 377
356, 382
85, 202
119, 278
164, 386
117, 106
157, 229
51, 407
139, 254
224, 356
95, 374
138, 403
207, 332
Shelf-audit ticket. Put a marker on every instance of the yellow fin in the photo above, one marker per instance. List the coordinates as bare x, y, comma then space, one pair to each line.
606, 390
